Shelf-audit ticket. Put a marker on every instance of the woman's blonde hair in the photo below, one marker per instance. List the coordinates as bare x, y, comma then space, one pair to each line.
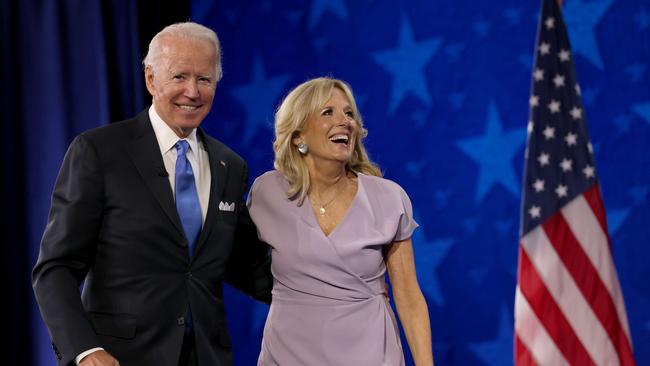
302, 103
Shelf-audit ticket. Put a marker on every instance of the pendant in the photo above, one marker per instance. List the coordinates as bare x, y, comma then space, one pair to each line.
321, 211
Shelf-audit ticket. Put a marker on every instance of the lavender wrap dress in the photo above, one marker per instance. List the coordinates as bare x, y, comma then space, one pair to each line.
329, 305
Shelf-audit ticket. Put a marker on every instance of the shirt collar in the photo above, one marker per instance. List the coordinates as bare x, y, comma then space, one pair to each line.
166, 136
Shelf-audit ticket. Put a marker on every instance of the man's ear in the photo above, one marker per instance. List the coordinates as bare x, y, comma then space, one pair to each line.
148, 79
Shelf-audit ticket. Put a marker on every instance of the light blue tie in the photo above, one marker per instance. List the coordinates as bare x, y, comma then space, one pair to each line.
187, 200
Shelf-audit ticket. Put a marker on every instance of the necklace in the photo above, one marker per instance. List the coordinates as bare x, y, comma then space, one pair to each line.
321, 206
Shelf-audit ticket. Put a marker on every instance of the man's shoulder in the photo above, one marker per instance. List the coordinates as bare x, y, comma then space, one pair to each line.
117, 129
223, 150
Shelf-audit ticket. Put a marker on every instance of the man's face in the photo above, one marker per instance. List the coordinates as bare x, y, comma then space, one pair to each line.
183, 82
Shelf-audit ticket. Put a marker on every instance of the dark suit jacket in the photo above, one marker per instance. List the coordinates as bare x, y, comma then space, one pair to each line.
113, 222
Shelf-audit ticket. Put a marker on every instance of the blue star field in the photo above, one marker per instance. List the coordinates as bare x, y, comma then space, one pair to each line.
444, 89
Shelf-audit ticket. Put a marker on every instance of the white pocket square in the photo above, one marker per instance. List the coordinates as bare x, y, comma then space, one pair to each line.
225, 206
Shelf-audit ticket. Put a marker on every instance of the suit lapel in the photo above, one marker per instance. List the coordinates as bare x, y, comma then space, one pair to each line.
145, 153
218, 172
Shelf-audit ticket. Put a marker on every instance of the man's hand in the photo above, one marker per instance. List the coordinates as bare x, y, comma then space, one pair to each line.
99, 358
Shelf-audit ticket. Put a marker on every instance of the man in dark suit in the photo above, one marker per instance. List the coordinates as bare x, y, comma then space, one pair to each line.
148, 214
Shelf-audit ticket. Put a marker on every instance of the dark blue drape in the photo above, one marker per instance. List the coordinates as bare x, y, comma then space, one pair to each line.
65, 82
67, 66
14, 247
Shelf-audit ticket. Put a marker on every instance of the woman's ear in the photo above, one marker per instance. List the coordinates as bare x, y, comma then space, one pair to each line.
296, 139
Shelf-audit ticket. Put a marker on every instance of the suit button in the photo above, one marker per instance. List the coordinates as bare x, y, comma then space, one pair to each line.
188, 275
180, 320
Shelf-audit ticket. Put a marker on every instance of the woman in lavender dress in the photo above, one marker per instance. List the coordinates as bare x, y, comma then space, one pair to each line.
335, 227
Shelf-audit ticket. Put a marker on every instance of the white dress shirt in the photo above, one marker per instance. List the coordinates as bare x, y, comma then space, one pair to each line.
199, 159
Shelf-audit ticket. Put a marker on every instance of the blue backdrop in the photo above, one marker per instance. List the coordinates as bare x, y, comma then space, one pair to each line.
444, 88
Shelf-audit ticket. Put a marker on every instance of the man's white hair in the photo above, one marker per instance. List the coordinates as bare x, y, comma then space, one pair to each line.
189, 30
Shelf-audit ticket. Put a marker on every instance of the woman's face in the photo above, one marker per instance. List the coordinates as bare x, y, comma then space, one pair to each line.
331, 134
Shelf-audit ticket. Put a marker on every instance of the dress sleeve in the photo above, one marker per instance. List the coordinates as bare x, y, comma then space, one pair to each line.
407, 224
260, 207
249, 198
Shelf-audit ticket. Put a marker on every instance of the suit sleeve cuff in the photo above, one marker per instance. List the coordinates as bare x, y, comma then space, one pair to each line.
86, 353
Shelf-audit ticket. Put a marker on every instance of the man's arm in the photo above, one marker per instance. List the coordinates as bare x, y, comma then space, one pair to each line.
249, 267
67, 251
96, 357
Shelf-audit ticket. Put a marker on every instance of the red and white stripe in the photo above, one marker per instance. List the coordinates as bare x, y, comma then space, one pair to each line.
569, 307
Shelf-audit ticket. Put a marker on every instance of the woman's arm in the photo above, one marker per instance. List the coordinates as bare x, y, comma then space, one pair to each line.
410, 303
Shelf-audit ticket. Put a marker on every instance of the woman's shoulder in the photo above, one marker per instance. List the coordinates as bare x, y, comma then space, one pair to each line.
379, 184
268, 194
270, 174
271, 180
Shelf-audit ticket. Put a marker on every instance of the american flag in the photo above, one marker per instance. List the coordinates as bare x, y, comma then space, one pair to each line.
569, 308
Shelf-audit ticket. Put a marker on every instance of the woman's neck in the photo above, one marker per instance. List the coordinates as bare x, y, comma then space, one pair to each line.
325, 177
